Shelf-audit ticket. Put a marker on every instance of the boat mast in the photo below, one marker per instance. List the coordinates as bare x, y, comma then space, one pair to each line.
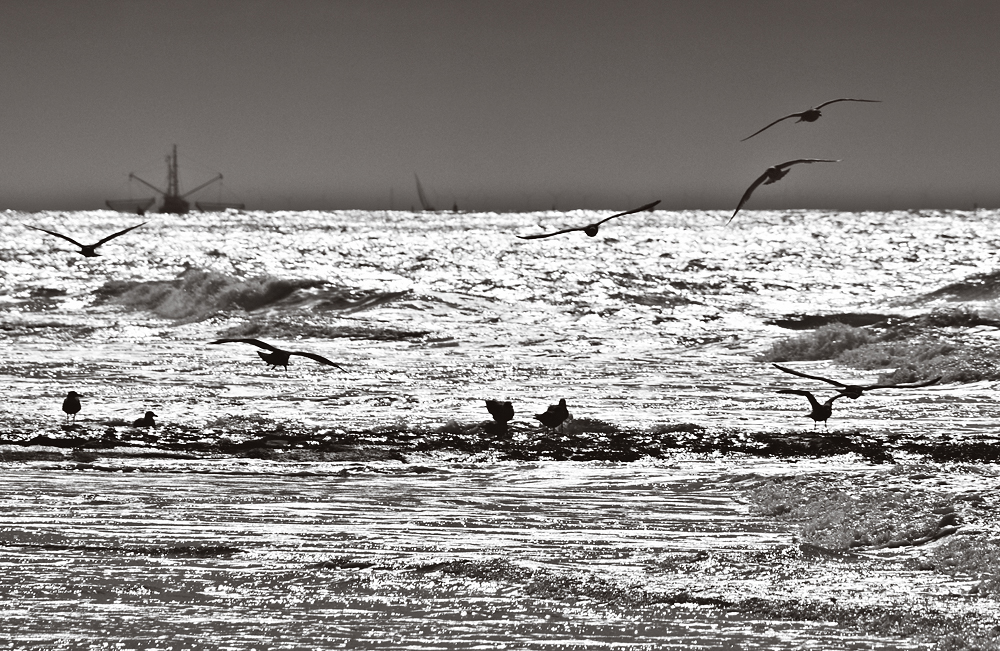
173, 201
173, 187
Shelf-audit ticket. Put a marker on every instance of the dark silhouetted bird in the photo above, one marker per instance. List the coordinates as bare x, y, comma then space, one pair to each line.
89, 250
809, 115
775, 173
278, 357
591, 229
71, 405
502, 412
854, 391
555, 415
145, 421
820, 412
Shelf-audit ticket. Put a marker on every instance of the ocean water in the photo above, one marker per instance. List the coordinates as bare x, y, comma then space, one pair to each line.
368, 508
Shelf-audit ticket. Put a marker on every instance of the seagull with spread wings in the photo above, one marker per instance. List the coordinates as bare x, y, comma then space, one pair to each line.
820, 411
89, 250
773, 174
278, 357
854, 391
591, 229
809, 115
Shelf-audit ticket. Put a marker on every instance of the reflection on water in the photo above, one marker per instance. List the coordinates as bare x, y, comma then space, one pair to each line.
237, 554
657, 322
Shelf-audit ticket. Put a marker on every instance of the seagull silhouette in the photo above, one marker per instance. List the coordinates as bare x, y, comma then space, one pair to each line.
854, 391
145, 421
820, 412
278, 357
502, 412
89, 250
775, 173
71, 405
555, 415
809, 115
591, 229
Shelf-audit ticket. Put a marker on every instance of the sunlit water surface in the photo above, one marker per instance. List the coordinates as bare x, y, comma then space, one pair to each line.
660, 319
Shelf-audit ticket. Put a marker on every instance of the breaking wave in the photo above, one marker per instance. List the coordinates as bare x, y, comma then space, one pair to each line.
200, 293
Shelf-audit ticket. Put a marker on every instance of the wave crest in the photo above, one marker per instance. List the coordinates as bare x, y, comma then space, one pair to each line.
198, 293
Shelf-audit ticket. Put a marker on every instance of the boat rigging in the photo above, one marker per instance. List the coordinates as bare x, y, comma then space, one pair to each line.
173, 201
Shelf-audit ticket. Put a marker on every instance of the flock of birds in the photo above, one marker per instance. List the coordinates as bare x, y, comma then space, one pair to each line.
503, 411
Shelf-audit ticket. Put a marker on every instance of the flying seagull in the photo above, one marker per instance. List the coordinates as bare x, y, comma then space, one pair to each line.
820, 412
591, 229
854, 391
278, 357
809, 115
71, 405
89, 250
555, 415
775, 173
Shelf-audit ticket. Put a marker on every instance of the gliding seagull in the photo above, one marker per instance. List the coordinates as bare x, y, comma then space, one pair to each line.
775, 173
278, 357
591, 229
854, 391
88, 250
809, 115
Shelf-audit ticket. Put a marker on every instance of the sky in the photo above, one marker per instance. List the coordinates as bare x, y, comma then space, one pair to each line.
501, 104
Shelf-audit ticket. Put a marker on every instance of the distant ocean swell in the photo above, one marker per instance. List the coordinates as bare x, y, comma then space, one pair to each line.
197, 294
977, 287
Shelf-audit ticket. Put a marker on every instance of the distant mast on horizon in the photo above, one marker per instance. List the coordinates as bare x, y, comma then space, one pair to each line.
173, 201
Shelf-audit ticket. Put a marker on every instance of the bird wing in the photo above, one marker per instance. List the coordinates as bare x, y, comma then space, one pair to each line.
790, 115
114, 235
67, 238
541, 235
846, 99
806, 375
255, 342
803, 392
907, 385
648, 206
746, 195
318, 358
807, 160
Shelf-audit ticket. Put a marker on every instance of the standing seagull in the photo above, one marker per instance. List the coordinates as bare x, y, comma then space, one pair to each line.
145, 421
278, 357
854, 391
591, 229
809, 115
71, 405
502, 412
775, 173
555, 415
820, 412
89, 250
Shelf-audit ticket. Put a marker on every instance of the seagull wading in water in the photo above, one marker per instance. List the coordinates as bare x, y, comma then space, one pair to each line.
773, 174
145, 421
502, 411
89, 250
278, 357
591, 229
854, 391
809, 115
71, 404
555, 415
